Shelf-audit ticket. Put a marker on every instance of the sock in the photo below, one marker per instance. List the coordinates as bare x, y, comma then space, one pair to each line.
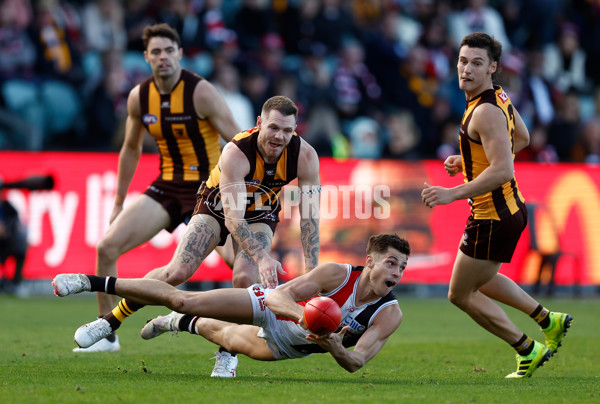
124, 309
111, 337
188, 323
104, 284
541, 316
221, 349
524, 346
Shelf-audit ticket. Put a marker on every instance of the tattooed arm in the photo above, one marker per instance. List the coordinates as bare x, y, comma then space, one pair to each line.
310, 197
234, 167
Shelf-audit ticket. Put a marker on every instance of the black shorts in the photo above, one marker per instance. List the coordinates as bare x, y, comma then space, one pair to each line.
204, 209
493, 240
178, 199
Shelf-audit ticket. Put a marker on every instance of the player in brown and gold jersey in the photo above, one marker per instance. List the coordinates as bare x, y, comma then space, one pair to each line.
186, 115
241, 198
491, 132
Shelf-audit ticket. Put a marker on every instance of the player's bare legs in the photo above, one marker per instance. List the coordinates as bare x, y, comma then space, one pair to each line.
245, 270
226, 252
130, 229
199, 239
235, 338
505, 290
468, 276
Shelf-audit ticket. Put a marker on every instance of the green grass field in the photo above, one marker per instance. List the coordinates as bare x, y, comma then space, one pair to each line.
438, 355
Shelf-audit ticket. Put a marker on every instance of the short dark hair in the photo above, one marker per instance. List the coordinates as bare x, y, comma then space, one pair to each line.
162, 30
282, 104
381, 242
484, 41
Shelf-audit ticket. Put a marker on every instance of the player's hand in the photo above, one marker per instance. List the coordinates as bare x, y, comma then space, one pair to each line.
432, 196
329, 341
268, 268
453, 165
115, 212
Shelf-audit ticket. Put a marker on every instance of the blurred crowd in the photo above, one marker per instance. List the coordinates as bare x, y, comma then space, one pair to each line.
372, 78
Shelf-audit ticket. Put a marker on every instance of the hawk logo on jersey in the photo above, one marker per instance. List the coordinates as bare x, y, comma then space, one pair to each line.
503, 97
149, 119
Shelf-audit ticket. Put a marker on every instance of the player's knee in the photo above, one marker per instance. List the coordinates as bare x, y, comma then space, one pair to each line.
456, 299
175, 275
107, 250
243, 279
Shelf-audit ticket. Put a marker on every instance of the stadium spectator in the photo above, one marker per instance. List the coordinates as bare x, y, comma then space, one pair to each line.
478, 16
366, 138
57, 57
562, 132
492, 131
370, 311
184, 17
403, 136
103, 25
587, 149
539, 150
251, 225
227, 81
252, 22
188, 153
565, 61
357, 91
388, 31
138, 15
17, 50
107, 103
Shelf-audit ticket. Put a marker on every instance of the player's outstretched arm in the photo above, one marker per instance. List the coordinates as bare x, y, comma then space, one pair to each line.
283, 301
369, 344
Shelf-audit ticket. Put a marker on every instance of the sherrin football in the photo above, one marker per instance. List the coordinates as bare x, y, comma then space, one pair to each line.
322, 315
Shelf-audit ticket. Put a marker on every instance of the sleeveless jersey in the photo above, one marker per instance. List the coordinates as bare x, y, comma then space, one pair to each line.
188, 145
505, 200
358, 318
264, 181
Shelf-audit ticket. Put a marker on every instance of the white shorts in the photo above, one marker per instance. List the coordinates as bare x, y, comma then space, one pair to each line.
280, 334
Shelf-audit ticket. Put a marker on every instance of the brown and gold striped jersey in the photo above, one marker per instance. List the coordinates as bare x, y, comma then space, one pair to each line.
188, 145
265, 180
506, 199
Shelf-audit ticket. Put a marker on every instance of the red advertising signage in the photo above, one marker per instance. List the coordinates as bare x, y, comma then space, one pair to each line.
359, 198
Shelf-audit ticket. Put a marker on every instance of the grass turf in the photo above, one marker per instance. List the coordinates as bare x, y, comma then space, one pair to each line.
438, 355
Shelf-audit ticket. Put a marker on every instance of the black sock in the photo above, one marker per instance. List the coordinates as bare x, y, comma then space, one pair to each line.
112, 320
188, 323
524, 346
541, 316
104, 284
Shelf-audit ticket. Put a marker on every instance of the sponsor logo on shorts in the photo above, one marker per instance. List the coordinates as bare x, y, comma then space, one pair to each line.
261, 297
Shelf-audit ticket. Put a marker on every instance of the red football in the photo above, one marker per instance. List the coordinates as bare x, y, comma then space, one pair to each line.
322, 315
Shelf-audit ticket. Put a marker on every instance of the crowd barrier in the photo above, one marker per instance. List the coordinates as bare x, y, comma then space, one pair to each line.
359, 198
